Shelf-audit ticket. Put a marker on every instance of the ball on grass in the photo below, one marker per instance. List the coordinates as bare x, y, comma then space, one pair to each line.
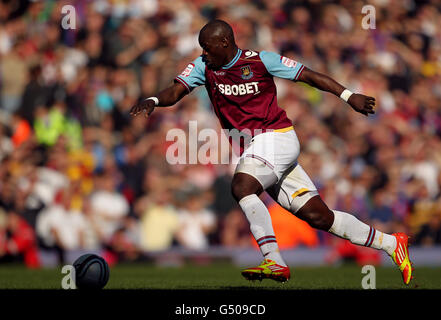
91, 272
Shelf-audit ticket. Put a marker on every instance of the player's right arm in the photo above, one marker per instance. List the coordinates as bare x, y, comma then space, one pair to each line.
166, 97
190, 78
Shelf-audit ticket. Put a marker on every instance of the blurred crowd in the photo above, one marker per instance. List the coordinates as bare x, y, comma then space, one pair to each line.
77, 172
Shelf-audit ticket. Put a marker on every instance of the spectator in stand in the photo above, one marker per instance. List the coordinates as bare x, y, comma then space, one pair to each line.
196, 222
430, 232
234, 230
159, 220
61, 227
123, 246
17, 240
108, 207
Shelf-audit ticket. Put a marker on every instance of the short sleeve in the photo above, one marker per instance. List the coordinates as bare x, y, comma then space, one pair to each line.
193, 76
280, 66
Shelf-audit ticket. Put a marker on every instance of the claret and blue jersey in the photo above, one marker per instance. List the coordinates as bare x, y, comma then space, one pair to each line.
243, 92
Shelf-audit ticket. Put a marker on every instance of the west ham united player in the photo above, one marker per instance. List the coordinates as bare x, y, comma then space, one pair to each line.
241, 88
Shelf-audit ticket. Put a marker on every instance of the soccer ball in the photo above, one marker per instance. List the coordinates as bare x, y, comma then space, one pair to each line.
91, 272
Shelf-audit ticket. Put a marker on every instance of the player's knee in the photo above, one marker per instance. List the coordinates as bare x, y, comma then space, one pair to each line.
243, 185
319, 220
317, 215
241, 190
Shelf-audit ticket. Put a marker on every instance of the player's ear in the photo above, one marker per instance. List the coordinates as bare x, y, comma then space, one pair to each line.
225, 43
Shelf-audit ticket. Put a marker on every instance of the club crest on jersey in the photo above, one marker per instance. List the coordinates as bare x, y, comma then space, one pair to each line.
246, 72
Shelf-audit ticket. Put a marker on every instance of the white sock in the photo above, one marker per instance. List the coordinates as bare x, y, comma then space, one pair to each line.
261, 227
349, 227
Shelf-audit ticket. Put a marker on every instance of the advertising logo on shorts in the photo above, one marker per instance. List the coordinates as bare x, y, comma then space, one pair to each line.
187, 70
288, 62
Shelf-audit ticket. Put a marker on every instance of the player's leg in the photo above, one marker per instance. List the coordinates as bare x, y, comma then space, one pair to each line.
246, 190
344, 225
296, 193
256, 171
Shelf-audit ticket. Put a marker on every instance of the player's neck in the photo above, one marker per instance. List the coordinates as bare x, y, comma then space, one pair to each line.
231, 55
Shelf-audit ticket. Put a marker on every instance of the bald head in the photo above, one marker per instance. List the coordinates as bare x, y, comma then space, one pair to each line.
217, 41
217, 29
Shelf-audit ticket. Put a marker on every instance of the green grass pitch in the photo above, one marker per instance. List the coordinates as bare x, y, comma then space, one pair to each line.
221, 276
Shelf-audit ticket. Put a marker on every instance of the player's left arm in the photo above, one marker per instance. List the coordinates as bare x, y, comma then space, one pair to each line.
359, 102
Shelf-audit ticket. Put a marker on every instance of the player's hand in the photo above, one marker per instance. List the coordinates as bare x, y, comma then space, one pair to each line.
145, 106
361, 103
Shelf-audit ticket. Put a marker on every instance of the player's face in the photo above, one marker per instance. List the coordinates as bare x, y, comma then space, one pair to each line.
213, 54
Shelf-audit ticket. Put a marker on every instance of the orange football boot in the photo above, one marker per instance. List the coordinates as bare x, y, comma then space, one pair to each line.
401, 256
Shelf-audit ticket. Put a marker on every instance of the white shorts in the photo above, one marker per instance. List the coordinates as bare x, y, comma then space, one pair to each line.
271, 158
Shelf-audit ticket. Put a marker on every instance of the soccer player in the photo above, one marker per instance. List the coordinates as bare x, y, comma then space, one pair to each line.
241, 88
